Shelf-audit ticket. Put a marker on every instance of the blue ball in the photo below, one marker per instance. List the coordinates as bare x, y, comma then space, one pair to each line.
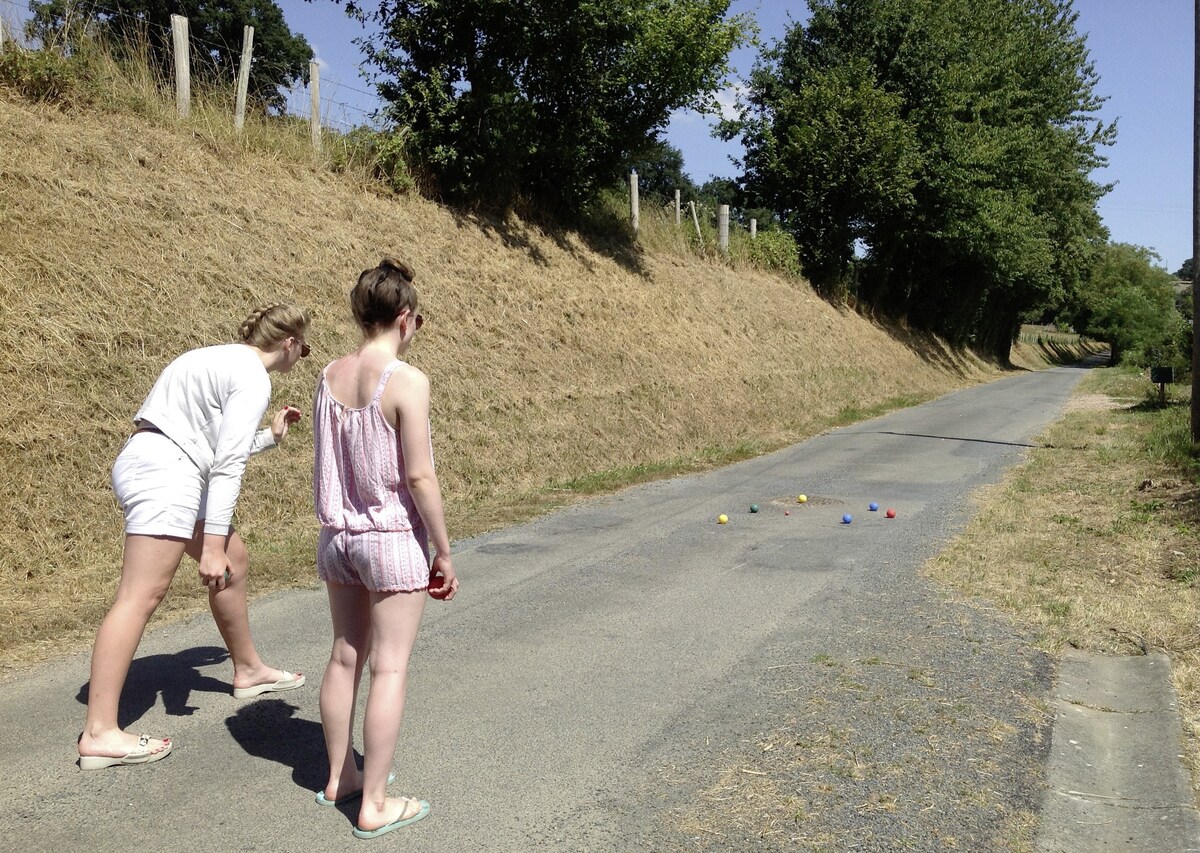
874, 507
847, 518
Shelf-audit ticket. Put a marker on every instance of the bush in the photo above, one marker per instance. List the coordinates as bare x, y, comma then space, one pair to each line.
379, 152
40, 75
775, 250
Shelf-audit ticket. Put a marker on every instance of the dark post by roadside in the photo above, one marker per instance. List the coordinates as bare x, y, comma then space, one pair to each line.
1196, 230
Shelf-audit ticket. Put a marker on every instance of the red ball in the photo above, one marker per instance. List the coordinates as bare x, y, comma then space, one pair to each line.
891, 513
437, 585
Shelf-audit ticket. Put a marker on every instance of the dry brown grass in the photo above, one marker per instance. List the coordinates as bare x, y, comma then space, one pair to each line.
1095, 540
128, 240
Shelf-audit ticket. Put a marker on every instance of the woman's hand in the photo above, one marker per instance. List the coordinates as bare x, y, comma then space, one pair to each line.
215, 571
283, 419
442, 574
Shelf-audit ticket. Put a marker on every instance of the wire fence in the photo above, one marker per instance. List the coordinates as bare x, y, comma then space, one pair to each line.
343, 106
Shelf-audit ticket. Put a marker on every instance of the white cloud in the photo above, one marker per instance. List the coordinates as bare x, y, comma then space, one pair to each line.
727, 99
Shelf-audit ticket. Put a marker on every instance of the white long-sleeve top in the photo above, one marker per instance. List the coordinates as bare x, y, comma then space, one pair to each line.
210, 401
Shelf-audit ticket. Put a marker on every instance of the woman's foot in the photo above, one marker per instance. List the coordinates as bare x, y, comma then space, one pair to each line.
248, 684
345, 788
395, 813
120, 749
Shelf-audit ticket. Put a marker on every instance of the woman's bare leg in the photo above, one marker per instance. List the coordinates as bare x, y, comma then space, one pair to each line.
395, 618
147, 568
231, 612
350, 609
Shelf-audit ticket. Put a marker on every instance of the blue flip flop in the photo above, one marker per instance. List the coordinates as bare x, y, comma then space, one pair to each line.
396, 824
322, 800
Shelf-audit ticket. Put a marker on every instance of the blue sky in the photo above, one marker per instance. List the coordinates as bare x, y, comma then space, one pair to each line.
1143, 51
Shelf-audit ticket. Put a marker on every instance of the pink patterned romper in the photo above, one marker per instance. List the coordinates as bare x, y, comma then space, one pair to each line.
371, 532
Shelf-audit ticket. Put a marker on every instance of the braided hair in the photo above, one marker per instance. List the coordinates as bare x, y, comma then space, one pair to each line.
268, 327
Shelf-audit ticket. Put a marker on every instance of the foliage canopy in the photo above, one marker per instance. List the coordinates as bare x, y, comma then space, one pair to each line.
947, 142
280, 57
543, 100
1130, 303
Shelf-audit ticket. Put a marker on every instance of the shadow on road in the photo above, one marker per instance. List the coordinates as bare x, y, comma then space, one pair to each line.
270, 729
175, 676
946, 438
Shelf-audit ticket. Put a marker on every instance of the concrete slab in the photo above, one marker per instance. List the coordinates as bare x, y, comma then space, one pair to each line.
1116, 779
1133, 684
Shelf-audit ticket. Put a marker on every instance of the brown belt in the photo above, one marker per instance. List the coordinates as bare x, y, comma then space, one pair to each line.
149, 428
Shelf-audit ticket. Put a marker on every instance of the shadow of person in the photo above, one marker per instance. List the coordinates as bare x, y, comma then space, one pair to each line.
174, 676
270, 729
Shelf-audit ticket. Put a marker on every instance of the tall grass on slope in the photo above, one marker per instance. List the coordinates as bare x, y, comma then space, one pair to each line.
771, 251
95, 75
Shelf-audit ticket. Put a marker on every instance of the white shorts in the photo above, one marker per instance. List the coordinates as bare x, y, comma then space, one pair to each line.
160, 489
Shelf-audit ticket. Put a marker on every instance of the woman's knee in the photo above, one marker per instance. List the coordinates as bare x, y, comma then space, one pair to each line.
345, 655
388, 665
140, 599
236, 553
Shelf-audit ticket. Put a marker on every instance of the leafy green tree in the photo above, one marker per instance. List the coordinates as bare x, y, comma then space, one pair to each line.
280, 57
1186, 272
660, 172
1129, 302
953, 139
542, 99
716, 191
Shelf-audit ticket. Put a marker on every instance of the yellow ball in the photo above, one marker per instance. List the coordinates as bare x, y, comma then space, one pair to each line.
722, 519
802, 499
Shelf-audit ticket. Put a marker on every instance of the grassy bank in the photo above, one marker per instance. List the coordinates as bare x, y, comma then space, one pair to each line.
560, 366
1095, 541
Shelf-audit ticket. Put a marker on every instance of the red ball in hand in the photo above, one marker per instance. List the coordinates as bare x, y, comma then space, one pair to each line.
437, 585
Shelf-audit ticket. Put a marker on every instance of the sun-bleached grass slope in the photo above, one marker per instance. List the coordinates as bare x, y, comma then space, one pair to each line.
126, 242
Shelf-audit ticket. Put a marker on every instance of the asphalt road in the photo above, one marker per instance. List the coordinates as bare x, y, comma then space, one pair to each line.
605, 665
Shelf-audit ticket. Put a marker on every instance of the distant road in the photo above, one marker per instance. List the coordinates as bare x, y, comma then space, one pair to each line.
605, 663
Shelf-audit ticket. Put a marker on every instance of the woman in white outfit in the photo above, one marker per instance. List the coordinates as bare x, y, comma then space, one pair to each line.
177, 480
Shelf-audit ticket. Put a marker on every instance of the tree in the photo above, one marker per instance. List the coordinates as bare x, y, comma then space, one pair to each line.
1130, 303
281, 58
542, 99
1185, 272
953, 139
660, 172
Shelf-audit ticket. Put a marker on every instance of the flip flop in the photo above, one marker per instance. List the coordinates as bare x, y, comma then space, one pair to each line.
396, 824
288, 682
141, 755
322, 800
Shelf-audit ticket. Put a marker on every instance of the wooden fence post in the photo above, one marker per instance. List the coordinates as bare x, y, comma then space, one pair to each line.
314, 88
723, 227
753, 229
243, 81
634, 212
676, 208
696, 220
183, 65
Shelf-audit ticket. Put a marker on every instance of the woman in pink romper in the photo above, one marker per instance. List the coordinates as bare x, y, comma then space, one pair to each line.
379, 503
